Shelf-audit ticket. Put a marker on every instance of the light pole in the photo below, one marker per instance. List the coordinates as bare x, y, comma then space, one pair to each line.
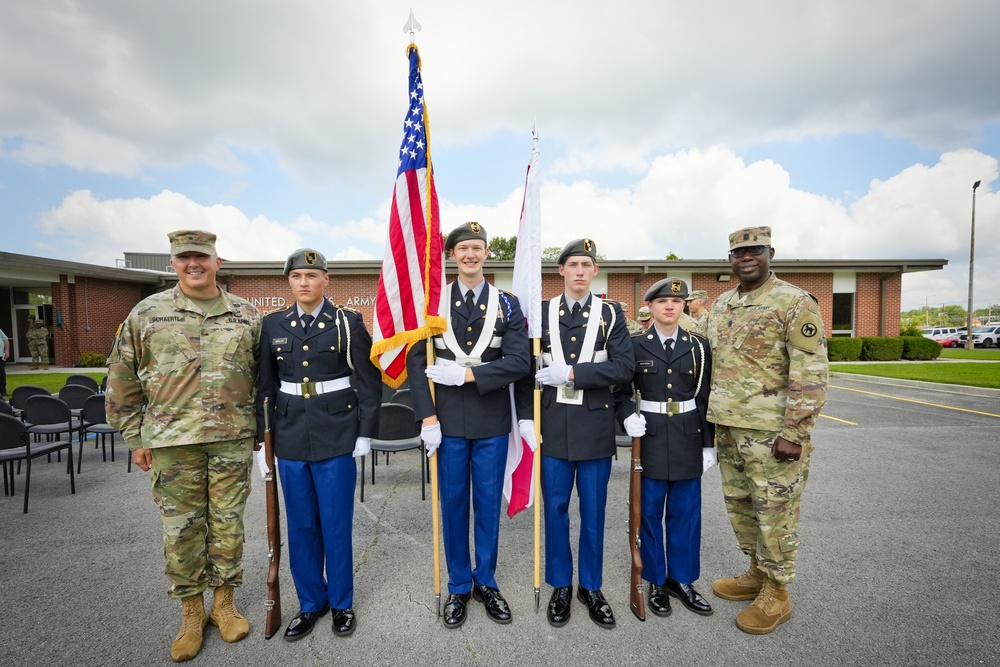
969, 343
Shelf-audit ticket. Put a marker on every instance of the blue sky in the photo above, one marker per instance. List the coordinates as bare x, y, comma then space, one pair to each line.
854, 128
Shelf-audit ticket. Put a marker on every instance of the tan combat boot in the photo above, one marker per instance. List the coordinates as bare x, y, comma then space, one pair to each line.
34, 367
771, 608
187, 643
743, 587
45, 367
232, 626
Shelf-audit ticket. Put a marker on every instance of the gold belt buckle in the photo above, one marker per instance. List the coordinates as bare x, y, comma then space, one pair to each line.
308, 388
673, 408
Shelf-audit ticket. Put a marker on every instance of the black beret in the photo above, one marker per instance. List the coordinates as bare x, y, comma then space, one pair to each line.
581, 247
465, 232
667, 287
305, 258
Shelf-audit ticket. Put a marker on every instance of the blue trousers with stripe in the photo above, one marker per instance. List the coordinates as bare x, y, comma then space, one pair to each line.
671, 510
477, 465
591, 479
319, 511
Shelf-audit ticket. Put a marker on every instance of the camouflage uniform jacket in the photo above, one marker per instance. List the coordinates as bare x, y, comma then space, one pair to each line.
693, 324
770, 363
37, 333
197, 373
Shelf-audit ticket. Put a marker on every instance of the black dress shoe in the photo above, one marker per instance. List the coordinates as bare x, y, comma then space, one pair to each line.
455, 609
559, 606
689, 597
600, 610
659, 601
302, 624
495, 605
344, 622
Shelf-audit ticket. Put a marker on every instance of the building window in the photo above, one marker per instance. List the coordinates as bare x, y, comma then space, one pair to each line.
843, 314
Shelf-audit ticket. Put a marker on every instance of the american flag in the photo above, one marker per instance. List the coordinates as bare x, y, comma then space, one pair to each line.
409, 287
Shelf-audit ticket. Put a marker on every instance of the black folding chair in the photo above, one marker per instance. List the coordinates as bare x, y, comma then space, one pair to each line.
16, 445
49, 416
397, 432
22, 394
85, 380
95, 420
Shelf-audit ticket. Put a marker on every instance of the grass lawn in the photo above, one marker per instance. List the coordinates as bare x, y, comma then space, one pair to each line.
51, 381
978, 353
971, 374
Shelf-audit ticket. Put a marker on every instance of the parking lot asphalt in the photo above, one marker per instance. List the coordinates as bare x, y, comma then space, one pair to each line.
897, 566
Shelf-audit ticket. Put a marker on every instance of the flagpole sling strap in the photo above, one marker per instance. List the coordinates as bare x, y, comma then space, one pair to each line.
568, 395
486, 337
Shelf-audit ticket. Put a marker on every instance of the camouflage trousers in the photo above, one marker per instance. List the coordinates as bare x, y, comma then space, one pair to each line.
762, 497
39, 351
201, 491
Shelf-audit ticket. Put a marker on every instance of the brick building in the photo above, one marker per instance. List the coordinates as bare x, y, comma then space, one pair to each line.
857, 297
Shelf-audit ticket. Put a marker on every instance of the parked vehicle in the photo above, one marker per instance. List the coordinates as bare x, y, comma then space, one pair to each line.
948, 341
938, 332
983, 336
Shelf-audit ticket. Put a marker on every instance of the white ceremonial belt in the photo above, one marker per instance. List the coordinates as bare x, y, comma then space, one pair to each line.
312, 388
667, 407
460, 360
599, 356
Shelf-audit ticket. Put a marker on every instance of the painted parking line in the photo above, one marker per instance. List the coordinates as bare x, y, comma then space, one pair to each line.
912, 400
842, 421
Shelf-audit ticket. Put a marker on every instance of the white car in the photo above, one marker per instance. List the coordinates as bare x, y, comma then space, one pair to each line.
985, 336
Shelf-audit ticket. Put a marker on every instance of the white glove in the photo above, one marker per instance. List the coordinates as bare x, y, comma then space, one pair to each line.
635, 425
708, 458
554, 374
362, 446
261, 457
431, 435
527, 429
449, 375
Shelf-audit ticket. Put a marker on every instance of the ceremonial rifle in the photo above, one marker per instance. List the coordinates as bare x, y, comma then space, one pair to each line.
272, 604
636, 601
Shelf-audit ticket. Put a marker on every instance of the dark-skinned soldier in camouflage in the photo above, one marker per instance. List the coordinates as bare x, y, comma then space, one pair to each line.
768, 385
190, 356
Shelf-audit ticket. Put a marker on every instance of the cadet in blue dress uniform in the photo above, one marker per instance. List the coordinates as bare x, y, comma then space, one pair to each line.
484, 349
309, 354
673, 374
586, 349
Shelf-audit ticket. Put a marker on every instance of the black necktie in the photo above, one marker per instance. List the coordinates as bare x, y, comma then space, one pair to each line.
307, 319
668, 346
470, 302
576, 309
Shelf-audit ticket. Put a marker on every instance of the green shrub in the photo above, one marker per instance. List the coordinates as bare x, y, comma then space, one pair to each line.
920, 348
843, 349
881, 348
909, 330
93, 360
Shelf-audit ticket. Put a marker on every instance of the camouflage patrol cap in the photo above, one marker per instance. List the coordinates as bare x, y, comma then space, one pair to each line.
465, 232
645, 313
750, 236
674, 287
191, 240
305, 258
697, 294
579, 248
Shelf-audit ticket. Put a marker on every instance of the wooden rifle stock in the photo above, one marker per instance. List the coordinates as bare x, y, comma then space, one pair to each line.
272, 605
636, 601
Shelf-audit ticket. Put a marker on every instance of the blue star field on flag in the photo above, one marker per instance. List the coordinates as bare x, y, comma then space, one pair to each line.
413, 151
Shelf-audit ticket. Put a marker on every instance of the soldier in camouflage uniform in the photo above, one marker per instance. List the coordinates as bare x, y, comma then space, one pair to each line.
697, 304
38, 344
190, 355
768, 385
634, 328
645, 318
